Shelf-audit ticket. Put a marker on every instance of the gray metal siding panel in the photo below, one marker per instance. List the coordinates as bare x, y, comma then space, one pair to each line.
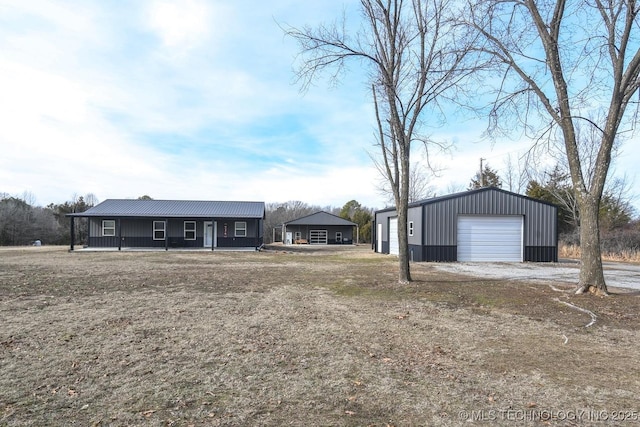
415, 215
95, 227
440, 226
541, 253
136, 227
541, 225
440, 253
441, 216
230, 226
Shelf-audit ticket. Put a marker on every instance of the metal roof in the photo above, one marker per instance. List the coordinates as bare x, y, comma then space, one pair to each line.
462, 194
174, 209
320, 218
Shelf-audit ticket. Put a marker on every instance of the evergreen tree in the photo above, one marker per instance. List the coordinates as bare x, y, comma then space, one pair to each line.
489, 178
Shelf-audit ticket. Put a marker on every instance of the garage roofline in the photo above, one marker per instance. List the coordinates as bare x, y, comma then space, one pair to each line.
462, 194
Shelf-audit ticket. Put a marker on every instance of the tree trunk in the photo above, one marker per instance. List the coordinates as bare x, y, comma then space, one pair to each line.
591, 274
404, 275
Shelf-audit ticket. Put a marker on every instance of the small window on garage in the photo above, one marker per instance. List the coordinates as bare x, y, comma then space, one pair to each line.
108, 227
410, 228
189, 230
158, 230
241, 229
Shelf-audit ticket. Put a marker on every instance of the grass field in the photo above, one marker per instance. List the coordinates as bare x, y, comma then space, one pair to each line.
304, 338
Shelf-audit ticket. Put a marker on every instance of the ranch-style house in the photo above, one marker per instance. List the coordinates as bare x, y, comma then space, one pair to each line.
166, 224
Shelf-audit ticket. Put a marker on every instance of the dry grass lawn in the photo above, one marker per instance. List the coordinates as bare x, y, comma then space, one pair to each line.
304, 338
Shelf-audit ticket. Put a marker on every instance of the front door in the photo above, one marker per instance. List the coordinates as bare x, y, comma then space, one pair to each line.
210, 234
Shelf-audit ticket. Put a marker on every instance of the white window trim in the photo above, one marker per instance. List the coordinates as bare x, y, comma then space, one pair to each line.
298, 235
163, 229
191, 230
105, 228
241, 229
410, 228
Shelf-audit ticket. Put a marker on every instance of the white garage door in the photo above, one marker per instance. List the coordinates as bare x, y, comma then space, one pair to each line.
394, 247
318, 237
490, 238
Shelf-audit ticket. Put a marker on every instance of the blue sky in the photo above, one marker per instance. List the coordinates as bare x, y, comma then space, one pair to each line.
192, 99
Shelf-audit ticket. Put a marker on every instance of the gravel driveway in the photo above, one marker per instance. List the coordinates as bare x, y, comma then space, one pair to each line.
616, 274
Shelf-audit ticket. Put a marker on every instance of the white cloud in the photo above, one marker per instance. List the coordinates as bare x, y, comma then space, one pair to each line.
334, 185
183, 25
189, 99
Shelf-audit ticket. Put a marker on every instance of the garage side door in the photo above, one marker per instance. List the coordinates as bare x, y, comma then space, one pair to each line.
394, 247
490, 238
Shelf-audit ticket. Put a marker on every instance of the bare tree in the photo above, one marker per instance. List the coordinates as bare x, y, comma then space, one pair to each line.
560, 64
420, 186
516, 174
412, 54
455, 187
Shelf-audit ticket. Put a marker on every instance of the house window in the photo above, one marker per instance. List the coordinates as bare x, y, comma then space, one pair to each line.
298, 235
410, 228
338, 236
189, 230
158, 230
109, 227
241, 229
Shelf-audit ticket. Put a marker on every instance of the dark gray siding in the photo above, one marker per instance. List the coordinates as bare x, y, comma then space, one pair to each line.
226, 233
138, 233
436, 222
347, 232
442, 217
415, 215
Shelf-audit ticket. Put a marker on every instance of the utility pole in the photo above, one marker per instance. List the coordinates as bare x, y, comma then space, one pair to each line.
481, 173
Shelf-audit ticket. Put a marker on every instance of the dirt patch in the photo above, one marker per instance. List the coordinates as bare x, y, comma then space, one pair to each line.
302, 338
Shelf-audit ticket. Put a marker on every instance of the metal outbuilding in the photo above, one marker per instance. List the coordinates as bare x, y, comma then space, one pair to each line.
320, 228
487, 224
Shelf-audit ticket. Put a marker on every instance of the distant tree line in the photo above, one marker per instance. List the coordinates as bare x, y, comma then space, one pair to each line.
22, 223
